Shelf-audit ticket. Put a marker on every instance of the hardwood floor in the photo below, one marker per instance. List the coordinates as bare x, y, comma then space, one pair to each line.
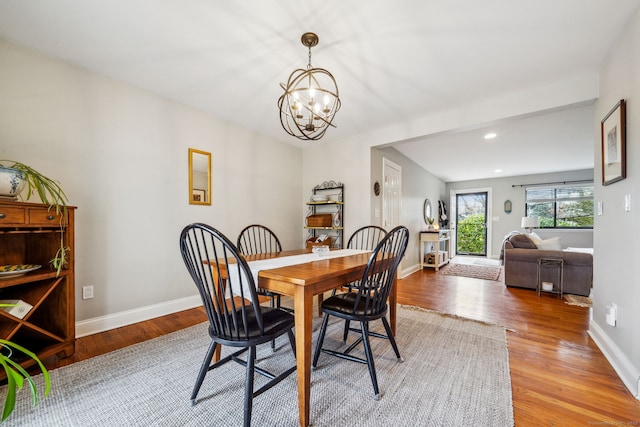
559, 377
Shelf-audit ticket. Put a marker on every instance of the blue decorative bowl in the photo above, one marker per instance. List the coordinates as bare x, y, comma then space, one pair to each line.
12, 181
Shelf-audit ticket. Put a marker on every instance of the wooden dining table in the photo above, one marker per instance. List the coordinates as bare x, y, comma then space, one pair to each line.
303, 282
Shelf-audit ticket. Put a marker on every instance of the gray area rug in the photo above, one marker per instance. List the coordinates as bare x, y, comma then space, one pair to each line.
456, 373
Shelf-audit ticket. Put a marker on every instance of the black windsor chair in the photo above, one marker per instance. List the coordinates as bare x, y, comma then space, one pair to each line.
230, 299
369, 302
257, 239
366, 238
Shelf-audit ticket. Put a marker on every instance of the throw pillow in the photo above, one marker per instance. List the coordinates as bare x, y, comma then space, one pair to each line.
522, 241
534, 235
552, 244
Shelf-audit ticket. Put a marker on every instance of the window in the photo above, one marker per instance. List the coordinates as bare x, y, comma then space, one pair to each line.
568, 206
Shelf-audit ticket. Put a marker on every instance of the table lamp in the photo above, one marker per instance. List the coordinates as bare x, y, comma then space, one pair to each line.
530, 222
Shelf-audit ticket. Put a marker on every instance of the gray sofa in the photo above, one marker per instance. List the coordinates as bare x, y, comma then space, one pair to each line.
521, 266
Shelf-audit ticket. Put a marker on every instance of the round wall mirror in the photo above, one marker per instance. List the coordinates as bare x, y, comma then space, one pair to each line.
427, 211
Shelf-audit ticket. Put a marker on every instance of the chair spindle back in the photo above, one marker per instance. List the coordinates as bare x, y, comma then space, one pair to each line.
378, 279
258, 239
224, 281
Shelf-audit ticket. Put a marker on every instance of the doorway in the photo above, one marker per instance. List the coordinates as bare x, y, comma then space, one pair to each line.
472, 234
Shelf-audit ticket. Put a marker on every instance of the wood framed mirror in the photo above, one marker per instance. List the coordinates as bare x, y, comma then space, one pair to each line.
199, 177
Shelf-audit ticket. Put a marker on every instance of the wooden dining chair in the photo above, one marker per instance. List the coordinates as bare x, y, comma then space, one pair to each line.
368, 302
258, 239
365, 238
236, 318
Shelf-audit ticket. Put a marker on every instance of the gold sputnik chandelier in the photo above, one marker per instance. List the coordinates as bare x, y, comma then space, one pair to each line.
310, 99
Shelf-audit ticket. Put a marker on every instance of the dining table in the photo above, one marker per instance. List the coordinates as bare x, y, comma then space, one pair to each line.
303, 281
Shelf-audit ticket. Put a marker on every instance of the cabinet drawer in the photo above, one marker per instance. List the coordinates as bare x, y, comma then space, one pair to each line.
44, 217
10, 216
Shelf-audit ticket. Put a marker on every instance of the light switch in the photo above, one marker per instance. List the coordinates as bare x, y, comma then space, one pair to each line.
627, 202
612, 314
376, 213
599, 207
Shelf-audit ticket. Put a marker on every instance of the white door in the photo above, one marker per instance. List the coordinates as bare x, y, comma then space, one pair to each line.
391, 194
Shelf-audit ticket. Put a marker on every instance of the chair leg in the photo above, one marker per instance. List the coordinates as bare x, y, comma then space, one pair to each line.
292, 341
392, 339
203, 371
275, 303
323, 329
248, 387
347, 324
370, 364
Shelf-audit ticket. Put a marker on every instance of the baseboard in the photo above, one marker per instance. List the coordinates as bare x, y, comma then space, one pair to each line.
628, 373
129, 317
407, 271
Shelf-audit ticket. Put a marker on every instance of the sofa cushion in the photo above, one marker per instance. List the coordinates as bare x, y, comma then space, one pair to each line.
522, 241
553, 244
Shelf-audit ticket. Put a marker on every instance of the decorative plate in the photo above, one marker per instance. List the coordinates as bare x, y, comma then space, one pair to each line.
7, 271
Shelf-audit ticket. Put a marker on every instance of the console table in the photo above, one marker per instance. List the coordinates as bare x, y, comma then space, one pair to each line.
441, 254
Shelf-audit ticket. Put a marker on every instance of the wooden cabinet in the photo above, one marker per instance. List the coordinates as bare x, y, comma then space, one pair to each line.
326, 214
32, 233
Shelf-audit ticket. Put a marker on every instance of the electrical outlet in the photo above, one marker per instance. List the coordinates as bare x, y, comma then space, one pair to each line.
87, 292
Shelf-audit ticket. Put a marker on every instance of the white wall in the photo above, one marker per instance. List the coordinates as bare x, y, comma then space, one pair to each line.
121, 155
349, 160
503, 189
616, 249
346, 163
417, 185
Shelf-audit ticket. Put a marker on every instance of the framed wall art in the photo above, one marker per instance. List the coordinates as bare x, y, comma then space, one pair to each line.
614, 139
199, 196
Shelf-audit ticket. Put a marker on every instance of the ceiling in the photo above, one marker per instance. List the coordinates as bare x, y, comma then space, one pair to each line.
394, 62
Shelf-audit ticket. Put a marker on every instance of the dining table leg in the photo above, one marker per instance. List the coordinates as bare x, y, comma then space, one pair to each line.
303, 313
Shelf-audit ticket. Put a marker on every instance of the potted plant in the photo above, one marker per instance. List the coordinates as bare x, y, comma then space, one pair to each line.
430, 222
17, 375
15, 177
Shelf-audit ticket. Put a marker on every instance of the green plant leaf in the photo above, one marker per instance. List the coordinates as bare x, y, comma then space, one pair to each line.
16, 375
45, 373
10, 398
22, 375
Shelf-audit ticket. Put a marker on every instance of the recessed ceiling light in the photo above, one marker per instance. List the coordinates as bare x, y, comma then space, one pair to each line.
490, 135
498, 170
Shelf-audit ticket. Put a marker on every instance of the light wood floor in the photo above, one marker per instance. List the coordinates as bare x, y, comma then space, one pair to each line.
558, 375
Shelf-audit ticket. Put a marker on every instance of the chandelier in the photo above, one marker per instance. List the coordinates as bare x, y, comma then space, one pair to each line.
310, 99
